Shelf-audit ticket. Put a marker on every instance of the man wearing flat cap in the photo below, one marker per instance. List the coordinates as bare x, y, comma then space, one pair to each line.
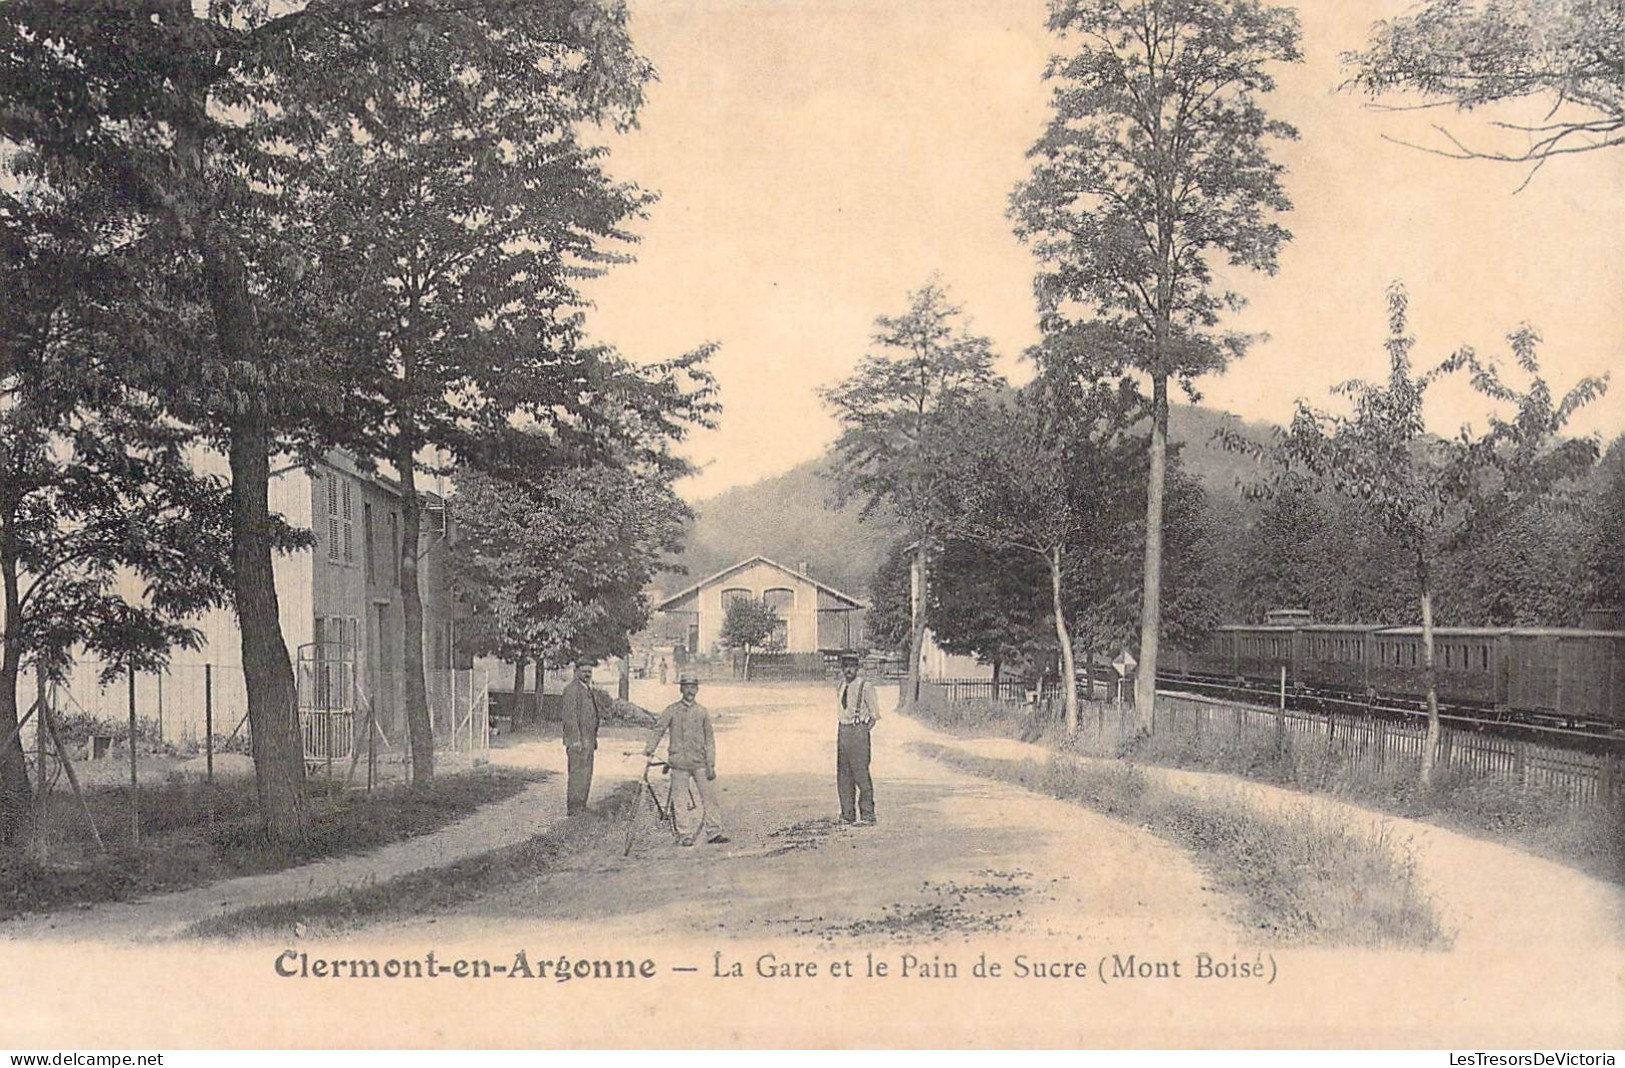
692, 757
580, 714
857, 709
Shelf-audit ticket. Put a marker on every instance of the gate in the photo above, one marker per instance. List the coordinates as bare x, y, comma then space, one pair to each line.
327, 703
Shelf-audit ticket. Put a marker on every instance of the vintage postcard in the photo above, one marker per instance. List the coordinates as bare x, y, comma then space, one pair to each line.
571, 523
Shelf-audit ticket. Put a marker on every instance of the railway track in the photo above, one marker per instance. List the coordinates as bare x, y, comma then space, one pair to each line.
1591, 738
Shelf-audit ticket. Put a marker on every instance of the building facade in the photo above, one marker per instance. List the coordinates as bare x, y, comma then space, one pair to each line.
813, 617
341, 612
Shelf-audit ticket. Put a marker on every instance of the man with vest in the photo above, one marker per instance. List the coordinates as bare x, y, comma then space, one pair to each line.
691, 755
580, 715
857, 709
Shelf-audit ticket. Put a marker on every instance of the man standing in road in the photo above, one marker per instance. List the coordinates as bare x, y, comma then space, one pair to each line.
858, 710
580, 721
692, 758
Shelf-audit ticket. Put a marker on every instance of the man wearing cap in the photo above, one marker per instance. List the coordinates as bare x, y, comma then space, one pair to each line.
692, 757
580, 721
858, 710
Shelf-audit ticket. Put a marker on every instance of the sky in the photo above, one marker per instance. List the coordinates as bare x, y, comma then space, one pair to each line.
817, 161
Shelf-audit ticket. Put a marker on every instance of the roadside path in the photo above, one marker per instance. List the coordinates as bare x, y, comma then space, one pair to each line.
164, 916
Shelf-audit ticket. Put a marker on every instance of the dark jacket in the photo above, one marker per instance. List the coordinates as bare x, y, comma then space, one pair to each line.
580, 715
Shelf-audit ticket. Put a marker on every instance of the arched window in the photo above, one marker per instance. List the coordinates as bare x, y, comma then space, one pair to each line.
736, 594
780, 599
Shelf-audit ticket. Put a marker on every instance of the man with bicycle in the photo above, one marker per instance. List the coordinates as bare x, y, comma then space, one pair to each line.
691, 755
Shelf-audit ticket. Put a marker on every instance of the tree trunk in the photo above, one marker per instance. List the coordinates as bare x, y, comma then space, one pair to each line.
273, 716
520, 712
419, 731
916, 638
995, 680
1145, 683
1069, 672
16, 796
1431, 746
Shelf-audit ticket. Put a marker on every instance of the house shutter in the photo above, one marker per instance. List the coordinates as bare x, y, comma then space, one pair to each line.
332, 480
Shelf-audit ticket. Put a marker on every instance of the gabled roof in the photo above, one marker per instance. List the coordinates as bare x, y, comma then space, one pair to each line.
792, 572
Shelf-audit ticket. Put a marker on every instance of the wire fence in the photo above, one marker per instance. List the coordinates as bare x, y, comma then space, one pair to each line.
344, 715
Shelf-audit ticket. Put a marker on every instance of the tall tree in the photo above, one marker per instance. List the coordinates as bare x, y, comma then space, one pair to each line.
1568, 56
1155, 167
1432, 494
189, 118
462, 205
897, 412
1042, 475
96, 494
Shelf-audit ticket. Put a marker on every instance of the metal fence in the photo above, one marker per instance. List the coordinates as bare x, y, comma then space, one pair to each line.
1385, 749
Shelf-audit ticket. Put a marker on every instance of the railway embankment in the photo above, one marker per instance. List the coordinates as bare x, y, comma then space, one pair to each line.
1370, 765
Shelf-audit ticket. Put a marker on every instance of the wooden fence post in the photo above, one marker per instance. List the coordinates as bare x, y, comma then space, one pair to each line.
135, 796
208, 721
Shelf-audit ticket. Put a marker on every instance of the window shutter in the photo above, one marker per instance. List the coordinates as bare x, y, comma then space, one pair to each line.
332, 516
349, 525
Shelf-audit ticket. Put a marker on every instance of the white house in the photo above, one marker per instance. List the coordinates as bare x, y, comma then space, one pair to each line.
813, 617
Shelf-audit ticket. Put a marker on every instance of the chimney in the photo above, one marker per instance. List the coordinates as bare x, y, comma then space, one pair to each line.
801, 568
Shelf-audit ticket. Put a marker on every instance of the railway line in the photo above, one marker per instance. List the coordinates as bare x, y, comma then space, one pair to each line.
1599, 738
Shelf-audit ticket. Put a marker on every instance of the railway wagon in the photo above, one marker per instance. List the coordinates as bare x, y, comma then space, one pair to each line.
1333, 657
1470, 664
1568, 674
1261, 652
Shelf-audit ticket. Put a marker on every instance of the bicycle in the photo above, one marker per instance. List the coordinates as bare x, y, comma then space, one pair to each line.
665, 812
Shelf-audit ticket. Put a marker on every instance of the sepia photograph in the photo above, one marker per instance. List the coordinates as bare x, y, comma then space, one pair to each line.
812, 524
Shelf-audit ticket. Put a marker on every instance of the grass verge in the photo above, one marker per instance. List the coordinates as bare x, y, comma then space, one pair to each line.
195, 833
1590, 838
1301, 878
432, 890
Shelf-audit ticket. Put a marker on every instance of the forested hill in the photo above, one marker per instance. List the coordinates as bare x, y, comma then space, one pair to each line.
789, 518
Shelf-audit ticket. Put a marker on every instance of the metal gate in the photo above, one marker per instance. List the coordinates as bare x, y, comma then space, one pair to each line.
327, 702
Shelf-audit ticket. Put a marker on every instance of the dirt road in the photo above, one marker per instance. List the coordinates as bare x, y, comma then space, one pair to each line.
1098, 928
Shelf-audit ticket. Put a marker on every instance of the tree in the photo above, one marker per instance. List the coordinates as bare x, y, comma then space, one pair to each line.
460, 205
896, 412
1154, 166
1569, 55
991, 604
1605, 541
889, 623
1040, 475
1432, 494
748, 624
558, 564
95, 488
188, 118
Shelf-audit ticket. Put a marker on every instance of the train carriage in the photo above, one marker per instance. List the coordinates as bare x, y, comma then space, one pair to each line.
1332, 658
1262, 651
1467, 660
1573, 675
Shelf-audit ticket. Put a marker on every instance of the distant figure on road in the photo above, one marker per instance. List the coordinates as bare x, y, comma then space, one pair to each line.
692, 757
858, 709
580, 720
